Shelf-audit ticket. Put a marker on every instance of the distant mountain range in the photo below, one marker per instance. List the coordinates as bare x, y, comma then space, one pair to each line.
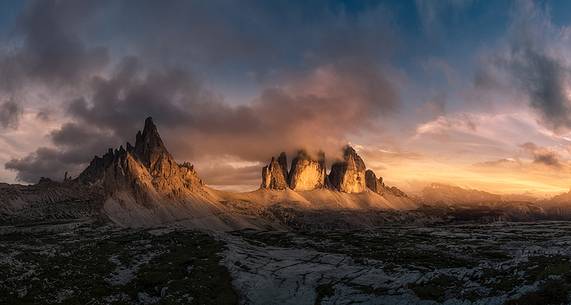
142, 185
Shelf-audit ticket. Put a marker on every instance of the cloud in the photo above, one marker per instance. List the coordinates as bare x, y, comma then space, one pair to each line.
44, 162
224, 175
10, 114
317, 111
266, 38
533, 66
542, 155
330, 82
51, 51
73, 146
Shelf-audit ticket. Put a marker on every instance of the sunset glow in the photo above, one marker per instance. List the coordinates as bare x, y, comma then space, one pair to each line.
422, 102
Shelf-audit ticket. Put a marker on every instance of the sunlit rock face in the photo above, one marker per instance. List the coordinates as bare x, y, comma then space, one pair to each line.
274, 175
348, 175
307, 173
146, 170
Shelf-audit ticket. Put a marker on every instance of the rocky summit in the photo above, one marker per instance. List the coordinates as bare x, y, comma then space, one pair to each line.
348, 175
307, 173
147, 170
372, 182
299, 237
142, 185
275, 176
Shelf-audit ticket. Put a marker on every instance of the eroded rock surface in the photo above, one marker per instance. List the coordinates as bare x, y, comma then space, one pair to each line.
307, 173
348, 175
274, 175
372, 182
147, 170
378, 186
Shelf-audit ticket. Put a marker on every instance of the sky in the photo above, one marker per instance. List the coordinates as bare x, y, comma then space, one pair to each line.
471, 93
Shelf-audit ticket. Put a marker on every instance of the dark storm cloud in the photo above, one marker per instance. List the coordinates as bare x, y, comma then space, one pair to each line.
51, 51
544, 79
319, 110
49, 162
335, 81
10, 113
316, 112
44, 162
532, 66
75, 145
542, 155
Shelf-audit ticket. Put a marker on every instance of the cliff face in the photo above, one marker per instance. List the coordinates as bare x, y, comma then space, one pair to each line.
274, 175
307, 173
378, 186
374, 184
348, 175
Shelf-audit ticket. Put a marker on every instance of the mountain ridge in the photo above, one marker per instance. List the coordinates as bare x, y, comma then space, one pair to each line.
142, 185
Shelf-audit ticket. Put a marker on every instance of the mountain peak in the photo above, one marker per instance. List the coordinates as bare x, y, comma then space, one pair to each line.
149, 146
348, 175
149, 125
275, 175
307, 173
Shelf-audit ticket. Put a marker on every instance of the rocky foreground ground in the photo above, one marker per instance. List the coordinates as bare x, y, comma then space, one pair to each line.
87, 263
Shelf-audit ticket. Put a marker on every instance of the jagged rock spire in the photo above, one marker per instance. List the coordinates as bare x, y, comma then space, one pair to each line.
274, 175
348, 175
282, 161
149, 146
147, 160
374, 184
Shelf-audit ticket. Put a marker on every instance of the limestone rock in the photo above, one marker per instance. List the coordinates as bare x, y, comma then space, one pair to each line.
96, 169
274, 175
348, 175
149, 147
377, 185
374, 184
307, 173
395, 191
147, 170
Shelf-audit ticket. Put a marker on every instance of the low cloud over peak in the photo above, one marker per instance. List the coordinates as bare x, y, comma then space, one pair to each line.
315, 112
